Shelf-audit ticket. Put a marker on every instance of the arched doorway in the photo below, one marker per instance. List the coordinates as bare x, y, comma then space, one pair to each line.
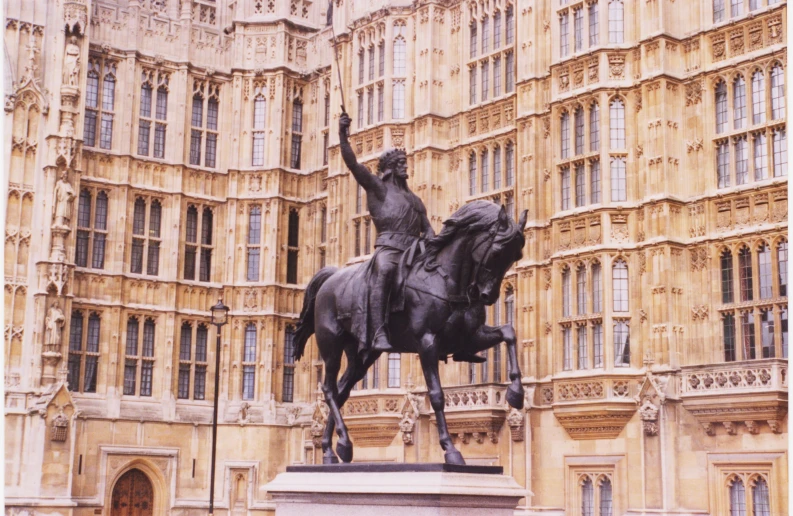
133, 495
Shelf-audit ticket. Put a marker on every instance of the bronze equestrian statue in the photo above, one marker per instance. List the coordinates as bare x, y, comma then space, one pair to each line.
438, 301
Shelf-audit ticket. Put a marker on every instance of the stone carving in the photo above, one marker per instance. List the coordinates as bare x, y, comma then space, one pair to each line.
515, 422
75, 15
53, 328
693, 92
410, 414
717, 44
616, 66
71, 63
580, 391
64, 197
319, 418
709, 429
730, 427
648, 413
729, 378
775, 426
699, 312
59, 427
243, 416
292, 414
699, 258
752, 427
775, 29
547, 396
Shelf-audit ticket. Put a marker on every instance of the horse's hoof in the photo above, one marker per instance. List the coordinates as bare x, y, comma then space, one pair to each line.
454, 457
344, 449
515, 397
330, 459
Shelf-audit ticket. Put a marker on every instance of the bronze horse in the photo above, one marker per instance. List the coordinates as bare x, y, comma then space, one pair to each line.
444, 297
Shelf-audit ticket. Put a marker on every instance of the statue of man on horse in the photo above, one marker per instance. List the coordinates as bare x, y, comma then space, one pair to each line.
442, 290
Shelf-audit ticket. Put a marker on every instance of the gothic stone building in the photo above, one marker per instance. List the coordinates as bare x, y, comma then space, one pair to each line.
164, 153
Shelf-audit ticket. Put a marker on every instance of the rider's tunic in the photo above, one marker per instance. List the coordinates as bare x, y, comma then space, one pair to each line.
399, 223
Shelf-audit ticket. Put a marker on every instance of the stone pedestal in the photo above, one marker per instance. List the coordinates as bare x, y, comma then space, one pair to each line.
366, 489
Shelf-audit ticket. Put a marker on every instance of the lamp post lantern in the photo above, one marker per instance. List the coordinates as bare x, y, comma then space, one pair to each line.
220, 314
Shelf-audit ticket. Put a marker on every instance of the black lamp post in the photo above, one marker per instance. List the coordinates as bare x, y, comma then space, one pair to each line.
220, 314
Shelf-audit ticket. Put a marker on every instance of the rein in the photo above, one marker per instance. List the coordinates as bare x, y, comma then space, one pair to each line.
464, 298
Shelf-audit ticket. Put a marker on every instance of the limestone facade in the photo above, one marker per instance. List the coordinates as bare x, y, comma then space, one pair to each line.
164, 153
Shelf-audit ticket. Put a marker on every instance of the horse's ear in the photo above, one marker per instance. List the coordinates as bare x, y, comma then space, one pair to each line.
522, 222
503, 218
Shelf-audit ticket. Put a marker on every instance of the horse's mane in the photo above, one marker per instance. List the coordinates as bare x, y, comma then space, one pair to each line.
473, 217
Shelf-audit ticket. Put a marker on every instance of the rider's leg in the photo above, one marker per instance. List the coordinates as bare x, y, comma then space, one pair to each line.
378, 304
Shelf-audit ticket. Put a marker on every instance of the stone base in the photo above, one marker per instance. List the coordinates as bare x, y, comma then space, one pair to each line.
362, 489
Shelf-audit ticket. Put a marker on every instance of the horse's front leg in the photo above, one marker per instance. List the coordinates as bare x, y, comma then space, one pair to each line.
428, 355
486, 337
515, 389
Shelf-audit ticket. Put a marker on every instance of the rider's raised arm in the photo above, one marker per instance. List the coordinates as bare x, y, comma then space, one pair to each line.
369, 181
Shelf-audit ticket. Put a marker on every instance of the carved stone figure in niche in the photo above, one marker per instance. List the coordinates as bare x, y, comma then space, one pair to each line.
64, 196
71, 63
54, 326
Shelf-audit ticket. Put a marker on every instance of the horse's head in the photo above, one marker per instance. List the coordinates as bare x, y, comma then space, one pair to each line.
493, 252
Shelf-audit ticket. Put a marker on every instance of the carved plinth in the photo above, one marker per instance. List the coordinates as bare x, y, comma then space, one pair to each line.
394, 490
58, 249
600, 420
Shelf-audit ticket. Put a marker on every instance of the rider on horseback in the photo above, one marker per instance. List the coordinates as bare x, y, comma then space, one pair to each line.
399, 217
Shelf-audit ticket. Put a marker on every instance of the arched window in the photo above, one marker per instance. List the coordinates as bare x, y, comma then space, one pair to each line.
583, 356
622, 347
739, 102
205, 266
394, 370
760, 147
497, 30
741, 160
565, 192
566, 292
197, 122
777, 93
721, 107
510, 25
616, 21
594, 126
83, 356
485, 175
567, 348
718, 11
620, 286
728, 326
605, 497
780, 152
597, 288
617, 124
578, 117
619, 184
564, 34
472, 174
358, 199
297, 133
760, 501
472, 85
473, 38
400, 50
765, 277
485, 35
509, 306
723, 164
564, 135
485, 80
587, 498
259, 105
594, 182
510, 157
782, 268
293, 247
249, 363
191, 238
139, 217
254, 243
745, 274
578, 29
727, 295
497, 167
185, 352
581, 290
398, 100
361, 59
758, 97
737, 498
288, 391
736, 6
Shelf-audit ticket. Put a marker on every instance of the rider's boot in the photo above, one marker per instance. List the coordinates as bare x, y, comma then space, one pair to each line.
467, 356
380, 341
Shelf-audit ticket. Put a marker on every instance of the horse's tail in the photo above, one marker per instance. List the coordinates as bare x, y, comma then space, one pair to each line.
305, 326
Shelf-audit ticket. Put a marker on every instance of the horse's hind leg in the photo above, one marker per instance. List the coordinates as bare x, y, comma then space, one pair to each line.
351, 376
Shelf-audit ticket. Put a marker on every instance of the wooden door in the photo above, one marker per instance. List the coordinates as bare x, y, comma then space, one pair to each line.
133, 495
